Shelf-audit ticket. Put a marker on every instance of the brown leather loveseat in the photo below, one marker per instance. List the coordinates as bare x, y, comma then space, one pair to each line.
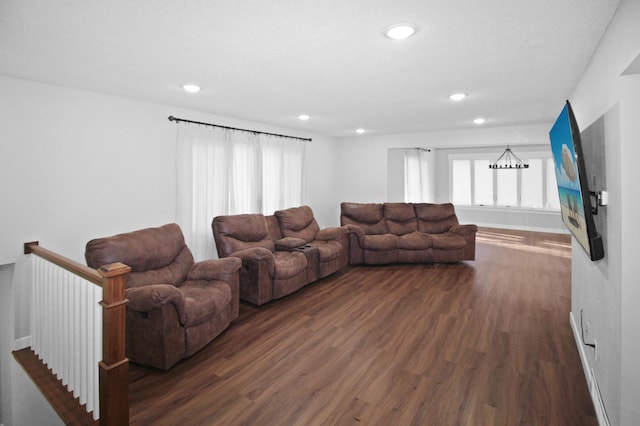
175, 306
383, 233
280, 253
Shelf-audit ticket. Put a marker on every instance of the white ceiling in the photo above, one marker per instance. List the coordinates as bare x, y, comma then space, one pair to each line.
268, 61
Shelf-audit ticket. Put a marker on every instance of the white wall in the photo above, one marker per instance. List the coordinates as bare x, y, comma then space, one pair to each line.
75, 165
630, 289
6, 341
395, 175
608, 291
321, 181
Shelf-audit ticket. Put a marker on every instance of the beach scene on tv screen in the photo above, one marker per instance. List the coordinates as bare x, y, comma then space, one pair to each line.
571, 203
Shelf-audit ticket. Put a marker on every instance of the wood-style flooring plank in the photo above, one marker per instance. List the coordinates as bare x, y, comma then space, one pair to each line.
486, 342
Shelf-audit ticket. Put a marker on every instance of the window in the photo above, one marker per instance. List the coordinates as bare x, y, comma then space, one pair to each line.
473, 183
553, 199
532, 194
461, 194
507, 189
483, 183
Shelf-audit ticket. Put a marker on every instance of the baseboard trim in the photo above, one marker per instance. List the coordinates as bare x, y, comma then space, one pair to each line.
589, 373
22, 343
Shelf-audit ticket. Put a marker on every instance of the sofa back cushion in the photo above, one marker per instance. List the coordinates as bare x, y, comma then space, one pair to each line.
435, 218
400, 217
242, 231
273, 227
369, 216
298, 222
155, 255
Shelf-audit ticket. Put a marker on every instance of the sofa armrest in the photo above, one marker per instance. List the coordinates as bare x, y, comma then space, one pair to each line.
289, 243
358, 232
464, 229
154, 296
215, 269
335, 233
255, 255
468, 232
256, 274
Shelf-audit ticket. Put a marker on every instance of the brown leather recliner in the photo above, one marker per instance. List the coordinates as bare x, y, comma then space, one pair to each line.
175, 306
266, 273
332, 243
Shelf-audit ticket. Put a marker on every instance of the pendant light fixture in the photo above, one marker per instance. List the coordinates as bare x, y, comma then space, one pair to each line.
508, 160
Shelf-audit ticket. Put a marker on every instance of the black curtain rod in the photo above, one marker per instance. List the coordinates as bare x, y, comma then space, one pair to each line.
172, 118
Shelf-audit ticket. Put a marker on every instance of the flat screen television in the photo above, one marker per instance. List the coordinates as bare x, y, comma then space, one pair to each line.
571, 175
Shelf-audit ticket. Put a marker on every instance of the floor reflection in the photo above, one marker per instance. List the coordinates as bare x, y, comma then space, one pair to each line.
554, 245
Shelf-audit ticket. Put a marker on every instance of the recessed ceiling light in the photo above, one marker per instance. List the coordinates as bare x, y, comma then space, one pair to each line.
458, 96
360, 131
479, 120
401, 31
303, 117
191, 88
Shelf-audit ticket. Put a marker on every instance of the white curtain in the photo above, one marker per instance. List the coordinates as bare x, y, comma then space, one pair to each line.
416, 176
222, 171
283, 173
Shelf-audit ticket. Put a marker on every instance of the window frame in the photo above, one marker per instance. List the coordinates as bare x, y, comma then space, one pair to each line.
526, 156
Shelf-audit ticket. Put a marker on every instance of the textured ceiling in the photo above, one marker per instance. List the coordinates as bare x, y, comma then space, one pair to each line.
268, 61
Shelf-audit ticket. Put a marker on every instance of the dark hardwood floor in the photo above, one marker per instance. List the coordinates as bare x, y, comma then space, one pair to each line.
474, 343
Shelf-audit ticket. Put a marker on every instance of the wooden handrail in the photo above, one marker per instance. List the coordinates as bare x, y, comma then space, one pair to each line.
114, 367
72, 266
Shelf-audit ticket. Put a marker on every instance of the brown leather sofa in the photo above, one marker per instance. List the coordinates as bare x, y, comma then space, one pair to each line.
383, 233
280, 253
175, 306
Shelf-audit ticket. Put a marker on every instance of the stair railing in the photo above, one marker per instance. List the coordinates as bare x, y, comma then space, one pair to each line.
78, 336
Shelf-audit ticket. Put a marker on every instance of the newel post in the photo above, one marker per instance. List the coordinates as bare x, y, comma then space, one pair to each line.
114, 367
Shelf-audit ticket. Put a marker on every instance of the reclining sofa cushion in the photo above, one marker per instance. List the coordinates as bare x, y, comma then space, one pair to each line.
367, 228
298, 222
435, 218
200, 297
415, 241
150, 253
243, 231
288, 264
368, 216
413, 246
380, 249
400, 218
380, 242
